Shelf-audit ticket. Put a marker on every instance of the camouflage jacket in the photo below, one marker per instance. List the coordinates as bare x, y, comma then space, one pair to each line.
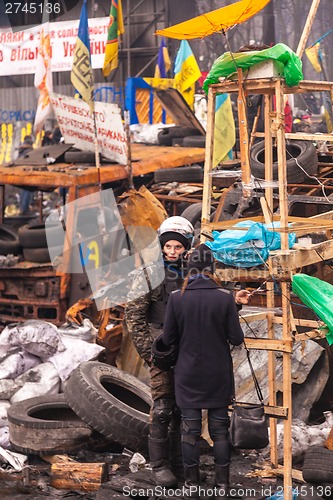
141, 298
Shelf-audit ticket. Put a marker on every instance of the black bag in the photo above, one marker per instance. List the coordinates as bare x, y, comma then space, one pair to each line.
248, 424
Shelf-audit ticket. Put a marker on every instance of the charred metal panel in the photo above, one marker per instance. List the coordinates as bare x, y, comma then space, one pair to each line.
31, 294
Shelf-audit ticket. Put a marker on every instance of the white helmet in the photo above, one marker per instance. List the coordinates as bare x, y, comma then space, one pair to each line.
176, 228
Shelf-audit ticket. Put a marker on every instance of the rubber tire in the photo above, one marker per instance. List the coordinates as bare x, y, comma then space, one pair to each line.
41, 255
303, 151
180, 174
9, 242
166, 135
80, 157
193, 214
195, 141
318, 465
33, 235
46, 425
97, 392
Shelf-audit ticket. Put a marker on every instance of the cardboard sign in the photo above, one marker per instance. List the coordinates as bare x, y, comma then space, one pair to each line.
77, 126
18, 50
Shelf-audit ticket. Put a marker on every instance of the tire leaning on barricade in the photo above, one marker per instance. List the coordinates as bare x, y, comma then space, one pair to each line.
112, 402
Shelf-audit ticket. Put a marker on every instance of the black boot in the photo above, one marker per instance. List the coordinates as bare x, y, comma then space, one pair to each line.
175, 455
221, 481
158, 456
192, 481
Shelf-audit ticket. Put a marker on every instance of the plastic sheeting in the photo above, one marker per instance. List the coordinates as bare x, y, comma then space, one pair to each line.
227, 64
318, 295
248, 247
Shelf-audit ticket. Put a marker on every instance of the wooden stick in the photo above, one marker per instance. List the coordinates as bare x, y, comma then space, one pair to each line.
307, 28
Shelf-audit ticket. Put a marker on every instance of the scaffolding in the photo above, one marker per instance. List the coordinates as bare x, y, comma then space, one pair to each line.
281, 264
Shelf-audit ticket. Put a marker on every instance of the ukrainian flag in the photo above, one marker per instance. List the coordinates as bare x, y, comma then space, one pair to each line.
224, 131
187, 72
82, 74
163, 62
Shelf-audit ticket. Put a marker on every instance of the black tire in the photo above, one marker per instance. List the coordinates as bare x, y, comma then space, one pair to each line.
9, 242
318, 465
80, 157
193, 214
34, 235
46, 425
166, 135
112, 402
181, 174
196, 141
303, 151
41, 255
177, 141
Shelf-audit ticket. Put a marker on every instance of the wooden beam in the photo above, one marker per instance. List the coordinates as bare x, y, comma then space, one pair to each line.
311, 335
311, 323
207, 185
307, 28
248, 317
78, 476
285, 345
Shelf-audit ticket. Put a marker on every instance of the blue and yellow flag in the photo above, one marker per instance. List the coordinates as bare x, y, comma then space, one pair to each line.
224, 131
163, 62
187, 72
116, 28
82, 74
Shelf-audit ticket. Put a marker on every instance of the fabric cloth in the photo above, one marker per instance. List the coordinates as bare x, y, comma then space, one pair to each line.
203, 321
172, 235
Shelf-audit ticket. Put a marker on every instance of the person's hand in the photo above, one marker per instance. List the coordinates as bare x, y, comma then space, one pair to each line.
242, 297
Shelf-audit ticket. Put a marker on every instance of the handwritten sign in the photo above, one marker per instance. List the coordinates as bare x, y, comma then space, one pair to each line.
77, 126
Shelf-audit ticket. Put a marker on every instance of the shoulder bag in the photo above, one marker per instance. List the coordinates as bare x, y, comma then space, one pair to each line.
248, 424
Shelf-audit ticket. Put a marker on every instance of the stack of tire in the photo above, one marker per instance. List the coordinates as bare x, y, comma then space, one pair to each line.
301, 160
97, 398
9, 241
32, 238
181, 136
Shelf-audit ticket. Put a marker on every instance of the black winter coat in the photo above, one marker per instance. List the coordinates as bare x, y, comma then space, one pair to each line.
203, 321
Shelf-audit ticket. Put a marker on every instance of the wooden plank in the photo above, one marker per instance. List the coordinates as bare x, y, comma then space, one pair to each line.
307, 28
311, 323
284, 345
243, 132
207, 183
312, 334
146, 159
248, 317
301, 136
267, 86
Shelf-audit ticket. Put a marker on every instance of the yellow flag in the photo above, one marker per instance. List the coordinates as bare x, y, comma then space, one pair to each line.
224, 131
312, 54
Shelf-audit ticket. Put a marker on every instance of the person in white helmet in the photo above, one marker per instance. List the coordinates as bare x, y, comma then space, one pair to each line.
144, 317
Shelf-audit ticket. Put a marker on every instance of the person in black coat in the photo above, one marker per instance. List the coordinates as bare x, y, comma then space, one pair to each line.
202, 319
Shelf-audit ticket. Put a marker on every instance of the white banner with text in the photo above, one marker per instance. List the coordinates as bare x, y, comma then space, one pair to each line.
18, 50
